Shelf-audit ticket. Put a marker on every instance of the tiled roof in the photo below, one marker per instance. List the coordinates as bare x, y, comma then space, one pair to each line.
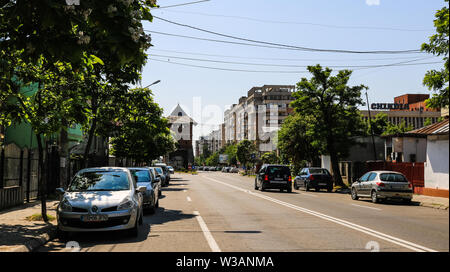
436, 128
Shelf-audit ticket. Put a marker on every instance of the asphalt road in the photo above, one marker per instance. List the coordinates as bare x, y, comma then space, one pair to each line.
215, 211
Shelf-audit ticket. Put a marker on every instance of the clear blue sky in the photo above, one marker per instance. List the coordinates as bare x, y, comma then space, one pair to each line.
326, 24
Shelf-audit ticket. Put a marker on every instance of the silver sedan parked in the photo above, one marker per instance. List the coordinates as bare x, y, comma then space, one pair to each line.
379, 185
145, 177
100, 199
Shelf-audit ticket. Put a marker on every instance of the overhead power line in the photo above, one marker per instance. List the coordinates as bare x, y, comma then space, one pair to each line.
283, 72
303, 23
279, 59
231, 42
284, 65
291, 46
183, 4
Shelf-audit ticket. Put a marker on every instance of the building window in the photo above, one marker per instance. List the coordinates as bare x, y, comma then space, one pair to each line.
180, 114
180, 128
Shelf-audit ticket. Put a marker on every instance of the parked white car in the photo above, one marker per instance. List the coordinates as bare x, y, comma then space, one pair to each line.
100, 199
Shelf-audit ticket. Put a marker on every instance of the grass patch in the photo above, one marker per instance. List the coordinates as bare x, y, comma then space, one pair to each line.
38, 217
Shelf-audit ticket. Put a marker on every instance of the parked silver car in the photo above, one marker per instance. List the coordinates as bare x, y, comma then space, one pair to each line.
380, 185
160, 173
100, 199
145, 177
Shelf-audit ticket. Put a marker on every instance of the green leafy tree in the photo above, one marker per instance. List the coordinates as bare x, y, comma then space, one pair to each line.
295, 141
143, 134
270, 158
438, 45
246, 153
231, 150
213, 160
331, 107
379, 124
392, 129
51, 100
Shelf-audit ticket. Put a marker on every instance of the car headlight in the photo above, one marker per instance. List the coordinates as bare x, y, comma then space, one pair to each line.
125, 204
65, 206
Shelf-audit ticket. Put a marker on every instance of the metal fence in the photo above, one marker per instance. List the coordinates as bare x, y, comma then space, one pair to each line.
19, 172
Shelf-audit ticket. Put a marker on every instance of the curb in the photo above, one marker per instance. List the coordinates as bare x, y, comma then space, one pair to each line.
35, 242
433, 205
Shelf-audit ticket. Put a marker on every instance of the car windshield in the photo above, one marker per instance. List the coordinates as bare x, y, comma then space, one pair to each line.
142, 175
318, 171
278, 170
159, 170
393, 177
100, 181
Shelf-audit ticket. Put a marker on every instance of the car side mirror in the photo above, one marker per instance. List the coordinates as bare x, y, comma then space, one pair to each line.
60, 191
141, 189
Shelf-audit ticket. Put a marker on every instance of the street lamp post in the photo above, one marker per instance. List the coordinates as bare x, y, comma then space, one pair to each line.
156, 82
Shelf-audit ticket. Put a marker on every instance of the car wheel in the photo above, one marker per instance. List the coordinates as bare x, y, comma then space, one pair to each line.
134, 232
141, 218
262, 189
354, 194
374, 197
157, 203
407, 200
330, 189
256, 185
306, 186
289, 189
317, 189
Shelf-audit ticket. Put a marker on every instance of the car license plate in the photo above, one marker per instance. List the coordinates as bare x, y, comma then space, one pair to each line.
323, 184
278, 179
94, 217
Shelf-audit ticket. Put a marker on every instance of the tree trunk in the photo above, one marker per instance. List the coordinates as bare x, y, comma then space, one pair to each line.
89, 142
64, 154
335, 164
42, 178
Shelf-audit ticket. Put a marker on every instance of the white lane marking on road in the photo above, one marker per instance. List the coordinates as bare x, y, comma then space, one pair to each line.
366, 207
184, 191
189, 199
386, 237
208, 236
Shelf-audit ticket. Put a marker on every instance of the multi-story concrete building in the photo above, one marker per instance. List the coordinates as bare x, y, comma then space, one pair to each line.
258, 116
410, 108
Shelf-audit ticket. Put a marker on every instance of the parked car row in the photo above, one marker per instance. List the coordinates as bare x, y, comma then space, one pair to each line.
110, 198
377, 185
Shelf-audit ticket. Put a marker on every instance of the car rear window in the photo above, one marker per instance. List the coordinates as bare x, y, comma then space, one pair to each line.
392, 177
319, 171
278, 170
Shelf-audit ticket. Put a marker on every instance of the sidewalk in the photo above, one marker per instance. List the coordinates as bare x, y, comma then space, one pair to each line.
17, 234
431, 201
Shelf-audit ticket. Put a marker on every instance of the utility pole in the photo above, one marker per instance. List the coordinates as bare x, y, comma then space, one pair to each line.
371, 129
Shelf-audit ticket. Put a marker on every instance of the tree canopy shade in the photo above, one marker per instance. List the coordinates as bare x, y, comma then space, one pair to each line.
246, 153
269, 158
331, 108
142, 133
62, 32
295, 141
438, 80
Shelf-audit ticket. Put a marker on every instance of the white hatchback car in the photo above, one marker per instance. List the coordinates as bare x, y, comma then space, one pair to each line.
100, 199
